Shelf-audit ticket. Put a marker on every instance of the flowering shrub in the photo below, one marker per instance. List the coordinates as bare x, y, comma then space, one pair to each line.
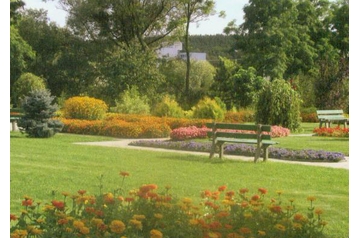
240, 116
309, 117
246, 150
84, 108
185, 133
333, 132
279, 131
146, 212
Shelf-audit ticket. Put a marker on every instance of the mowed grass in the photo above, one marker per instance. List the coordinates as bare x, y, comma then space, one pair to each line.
41, 167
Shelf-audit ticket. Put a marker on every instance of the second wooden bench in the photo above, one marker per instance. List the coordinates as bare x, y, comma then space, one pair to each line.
240, 133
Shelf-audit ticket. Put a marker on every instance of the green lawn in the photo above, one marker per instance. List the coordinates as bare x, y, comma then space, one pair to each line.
41, 167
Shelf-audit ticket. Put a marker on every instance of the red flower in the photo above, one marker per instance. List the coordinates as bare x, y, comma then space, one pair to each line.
255, 197
244, 190
60, 205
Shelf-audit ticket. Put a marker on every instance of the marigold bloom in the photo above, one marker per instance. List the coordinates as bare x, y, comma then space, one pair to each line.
117, 226
323, 223
78, 224
261, 233
298, 217
60, 205
311, 198
62, 221
244, 204
280, 227
222, 188
255, 197
36, 231
297, 226
245, 230
276, 209
124, 174
230, 193
318, 211
158, 215
262, 190
109, 198
244, 190
85, 230
13, 217
137, 224
66, 194
81, 192
27, 202
233, 235
155, 234
138, 217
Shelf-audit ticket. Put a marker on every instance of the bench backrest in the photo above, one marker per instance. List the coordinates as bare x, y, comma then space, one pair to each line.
239, 131
330, 114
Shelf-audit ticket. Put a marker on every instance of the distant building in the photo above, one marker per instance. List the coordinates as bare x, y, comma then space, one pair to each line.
175, 50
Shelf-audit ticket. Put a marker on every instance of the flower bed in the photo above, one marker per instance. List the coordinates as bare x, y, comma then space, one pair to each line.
246, 150
147, 212
332, 132
193, 132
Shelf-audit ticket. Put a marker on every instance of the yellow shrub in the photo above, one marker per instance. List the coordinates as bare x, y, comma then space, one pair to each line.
84, 108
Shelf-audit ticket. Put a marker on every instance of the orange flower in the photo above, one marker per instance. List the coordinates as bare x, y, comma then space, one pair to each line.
124, 174
222, 188
245, 230
117, 226
27, 202
255, 197
318, 211
13, 217
81, 192
244, 190
263, 190
276, 209
298, 217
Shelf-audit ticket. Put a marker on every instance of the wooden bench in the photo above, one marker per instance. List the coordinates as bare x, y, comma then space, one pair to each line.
240, 133
327, 116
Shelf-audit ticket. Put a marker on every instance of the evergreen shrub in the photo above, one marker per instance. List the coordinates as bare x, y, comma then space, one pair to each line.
38, 109
86, 108
279, 104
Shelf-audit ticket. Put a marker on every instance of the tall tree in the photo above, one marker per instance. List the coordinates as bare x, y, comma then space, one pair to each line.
194, 11
125, 21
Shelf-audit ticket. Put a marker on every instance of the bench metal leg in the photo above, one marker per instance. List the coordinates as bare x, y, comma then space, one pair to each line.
257, 154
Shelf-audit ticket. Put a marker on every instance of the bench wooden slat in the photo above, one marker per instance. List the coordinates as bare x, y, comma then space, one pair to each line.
232, 126
238, 136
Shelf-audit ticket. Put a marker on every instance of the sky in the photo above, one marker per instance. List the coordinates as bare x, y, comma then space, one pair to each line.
214, 25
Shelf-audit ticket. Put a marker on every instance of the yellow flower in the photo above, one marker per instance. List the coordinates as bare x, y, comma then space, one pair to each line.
297, 226
78, 224
155, 234
280, 227
117, 226
137, 224
311, 198
261, 233
158, 215
139, 217
84, 230
193, 222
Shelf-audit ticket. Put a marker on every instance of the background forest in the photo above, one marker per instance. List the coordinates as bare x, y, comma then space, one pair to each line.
108, 49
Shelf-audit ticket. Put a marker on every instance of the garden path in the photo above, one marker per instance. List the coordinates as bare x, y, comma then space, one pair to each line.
124, 143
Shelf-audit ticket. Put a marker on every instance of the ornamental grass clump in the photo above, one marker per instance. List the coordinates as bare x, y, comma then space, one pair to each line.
149, 211
86, 108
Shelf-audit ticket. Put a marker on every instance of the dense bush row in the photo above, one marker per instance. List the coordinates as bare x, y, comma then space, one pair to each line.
332, 132
245, 150
147, 212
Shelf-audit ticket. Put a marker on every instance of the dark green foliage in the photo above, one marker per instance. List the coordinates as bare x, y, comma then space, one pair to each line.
279, 104
38, 111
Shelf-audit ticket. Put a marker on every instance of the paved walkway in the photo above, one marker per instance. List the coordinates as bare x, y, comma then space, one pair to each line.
124, 143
